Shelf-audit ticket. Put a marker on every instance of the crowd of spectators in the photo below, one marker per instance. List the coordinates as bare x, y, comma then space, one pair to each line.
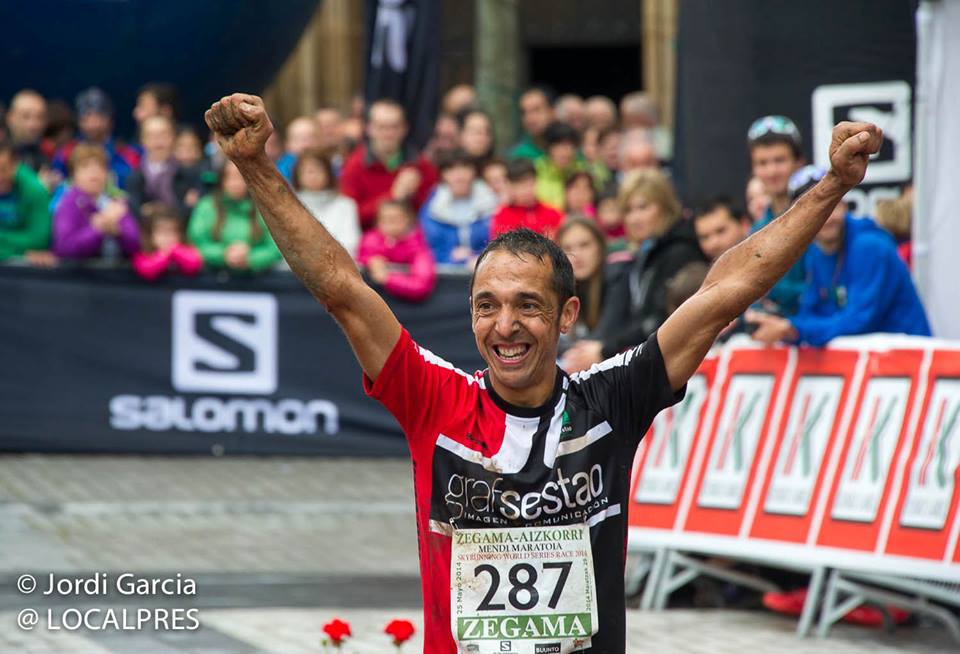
589, 173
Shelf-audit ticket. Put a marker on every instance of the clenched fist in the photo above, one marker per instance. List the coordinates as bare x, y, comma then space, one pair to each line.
241, 125
850, 148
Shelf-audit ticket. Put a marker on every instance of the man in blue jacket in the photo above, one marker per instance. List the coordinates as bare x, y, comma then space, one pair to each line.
856, 284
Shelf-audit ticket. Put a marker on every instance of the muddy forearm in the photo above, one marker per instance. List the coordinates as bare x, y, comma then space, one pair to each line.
313, 254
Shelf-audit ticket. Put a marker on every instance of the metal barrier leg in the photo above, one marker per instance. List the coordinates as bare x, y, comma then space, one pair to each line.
663, 590
654, 578
811, 603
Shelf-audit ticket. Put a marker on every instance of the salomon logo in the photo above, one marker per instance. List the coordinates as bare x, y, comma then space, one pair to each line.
224, 342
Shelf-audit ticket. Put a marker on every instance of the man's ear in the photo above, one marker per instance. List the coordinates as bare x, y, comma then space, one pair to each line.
569, 314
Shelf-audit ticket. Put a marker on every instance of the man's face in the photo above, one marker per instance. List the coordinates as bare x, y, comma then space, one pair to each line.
609, 148
773, 164
387, 129
301, 136
328, 122
95, 126
535, 112
830, 235
516, 319
27, 119
8, 168
146, 107
639, 155
718, 231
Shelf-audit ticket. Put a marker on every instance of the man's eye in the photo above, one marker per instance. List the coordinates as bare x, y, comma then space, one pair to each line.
528, 306
484, 306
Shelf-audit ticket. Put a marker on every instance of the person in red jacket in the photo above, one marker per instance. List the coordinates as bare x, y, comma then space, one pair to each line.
525, 210
163, 247
381, 169
396, 254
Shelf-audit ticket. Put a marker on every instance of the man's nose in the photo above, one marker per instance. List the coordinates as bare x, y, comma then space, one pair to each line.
506, 323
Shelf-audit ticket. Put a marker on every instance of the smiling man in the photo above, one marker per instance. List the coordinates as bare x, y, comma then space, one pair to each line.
521, 472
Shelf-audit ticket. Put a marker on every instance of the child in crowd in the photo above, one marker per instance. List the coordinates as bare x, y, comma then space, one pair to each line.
227, 229
456, 217
558, 164
395, 239
494, 173
758, 199
163, 247
188, 148
160, 178
316, 187
610, 217
89, 223
579, 194
525, 210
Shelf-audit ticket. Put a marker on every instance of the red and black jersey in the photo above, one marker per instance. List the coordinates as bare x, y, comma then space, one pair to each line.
480, 462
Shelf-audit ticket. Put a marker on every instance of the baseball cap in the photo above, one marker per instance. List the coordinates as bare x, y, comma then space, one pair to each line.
93, 100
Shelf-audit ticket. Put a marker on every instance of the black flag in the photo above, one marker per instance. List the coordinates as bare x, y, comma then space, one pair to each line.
402, 59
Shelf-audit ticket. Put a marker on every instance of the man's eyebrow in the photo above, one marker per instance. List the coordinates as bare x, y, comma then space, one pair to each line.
484, 295
530, 295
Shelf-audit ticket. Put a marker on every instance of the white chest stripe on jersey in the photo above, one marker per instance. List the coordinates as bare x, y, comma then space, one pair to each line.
514, 451
592, 436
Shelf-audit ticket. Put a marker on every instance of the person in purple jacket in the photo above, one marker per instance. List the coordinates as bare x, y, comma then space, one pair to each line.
396, 254
87, 222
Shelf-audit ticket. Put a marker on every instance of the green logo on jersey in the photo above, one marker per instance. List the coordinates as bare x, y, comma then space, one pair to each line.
565, 428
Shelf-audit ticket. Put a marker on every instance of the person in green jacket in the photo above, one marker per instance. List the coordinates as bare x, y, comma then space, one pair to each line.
24, 212
560, 161
227, 229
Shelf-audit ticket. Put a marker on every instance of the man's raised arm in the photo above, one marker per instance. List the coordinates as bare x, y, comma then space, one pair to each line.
242, 126
746, 272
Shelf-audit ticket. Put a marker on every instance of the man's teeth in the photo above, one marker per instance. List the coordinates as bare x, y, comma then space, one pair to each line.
512, 351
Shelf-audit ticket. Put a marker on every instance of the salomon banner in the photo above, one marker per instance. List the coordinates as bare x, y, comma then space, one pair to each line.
98, 361
818, 62
847, 456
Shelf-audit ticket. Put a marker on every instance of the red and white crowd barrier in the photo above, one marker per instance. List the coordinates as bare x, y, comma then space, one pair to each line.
843, 457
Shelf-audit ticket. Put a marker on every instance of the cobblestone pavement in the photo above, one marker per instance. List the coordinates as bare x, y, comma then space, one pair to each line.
277, 547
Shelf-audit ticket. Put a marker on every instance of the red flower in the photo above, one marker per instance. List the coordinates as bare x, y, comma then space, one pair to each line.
401, 630
337, 630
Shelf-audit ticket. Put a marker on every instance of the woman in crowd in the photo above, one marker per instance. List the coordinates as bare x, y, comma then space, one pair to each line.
456, 217
584, 244
88, 222
162, 247
396, 254
637, 303
476, 136
316, 187
227, 229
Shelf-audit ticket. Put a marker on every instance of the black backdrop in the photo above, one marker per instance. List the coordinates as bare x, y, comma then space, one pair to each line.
741, 59
73, 341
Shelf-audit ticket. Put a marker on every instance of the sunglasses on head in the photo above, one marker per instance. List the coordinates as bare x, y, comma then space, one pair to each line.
773, 125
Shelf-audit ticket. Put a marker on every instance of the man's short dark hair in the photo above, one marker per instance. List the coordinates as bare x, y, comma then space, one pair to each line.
560, 132
525, 241
165, 94
549, 95
519, 169
777, 139
718, 202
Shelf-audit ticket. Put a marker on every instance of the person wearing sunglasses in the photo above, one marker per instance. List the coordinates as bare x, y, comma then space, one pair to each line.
776, 153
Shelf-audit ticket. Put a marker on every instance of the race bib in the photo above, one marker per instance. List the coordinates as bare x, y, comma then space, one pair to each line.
526, 590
